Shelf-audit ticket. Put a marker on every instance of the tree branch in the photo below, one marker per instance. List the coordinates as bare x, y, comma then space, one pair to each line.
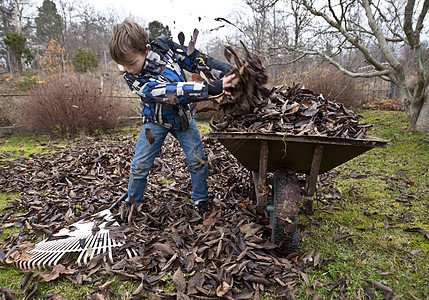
408, 23
288, 62
353, 40
381, 39
383, 73
423, 13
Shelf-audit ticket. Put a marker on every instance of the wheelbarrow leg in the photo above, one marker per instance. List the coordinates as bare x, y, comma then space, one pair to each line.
260, 178
311, 180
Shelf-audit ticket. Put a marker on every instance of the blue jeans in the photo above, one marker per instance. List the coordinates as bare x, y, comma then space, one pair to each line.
145, 154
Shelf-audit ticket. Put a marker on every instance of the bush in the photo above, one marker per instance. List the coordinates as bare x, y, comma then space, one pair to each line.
334, 86
71, 105
29, 80
84, 60
8, 111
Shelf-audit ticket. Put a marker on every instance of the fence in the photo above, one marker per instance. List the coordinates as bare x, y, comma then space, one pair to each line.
372, 88
377, 88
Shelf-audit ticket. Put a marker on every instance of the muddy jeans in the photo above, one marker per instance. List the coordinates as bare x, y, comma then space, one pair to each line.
145, 154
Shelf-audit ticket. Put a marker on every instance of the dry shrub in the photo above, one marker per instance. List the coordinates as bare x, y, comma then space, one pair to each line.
9, 114
334, 86
71, 105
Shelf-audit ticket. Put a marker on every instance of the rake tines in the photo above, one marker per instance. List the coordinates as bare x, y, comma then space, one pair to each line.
78, 238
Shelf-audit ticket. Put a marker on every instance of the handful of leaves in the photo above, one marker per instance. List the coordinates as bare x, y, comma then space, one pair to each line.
247, 90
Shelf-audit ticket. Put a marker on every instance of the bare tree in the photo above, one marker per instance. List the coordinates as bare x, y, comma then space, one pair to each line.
378, 30
265, 31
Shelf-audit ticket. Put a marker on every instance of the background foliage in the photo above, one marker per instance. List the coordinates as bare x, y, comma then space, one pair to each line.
84, 60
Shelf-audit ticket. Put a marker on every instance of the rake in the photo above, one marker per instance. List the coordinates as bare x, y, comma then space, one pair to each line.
76, 238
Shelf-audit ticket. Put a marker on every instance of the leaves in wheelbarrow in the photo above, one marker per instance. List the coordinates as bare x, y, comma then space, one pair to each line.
252, 107
224, 252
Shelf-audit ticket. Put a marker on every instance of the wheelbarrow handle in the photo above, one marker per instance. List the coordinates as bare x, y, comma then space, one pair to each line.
122, 198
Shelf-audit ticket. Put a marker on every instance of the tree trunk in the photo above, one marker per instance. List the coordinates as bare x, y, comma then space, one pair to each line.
422, 122
417, 111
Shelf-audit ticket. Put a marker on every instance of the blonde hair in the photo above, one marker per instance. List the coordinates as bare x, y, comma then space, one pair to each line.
127, 38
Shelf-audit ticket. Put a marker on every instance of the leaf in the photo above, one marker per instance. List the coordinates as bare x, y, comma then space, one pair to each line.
25, 256
56, 272
416, 229
414, 252
165, 248
370, 293
139, 289
181, 38
196, 281
381, 286
32, 291
256, 279
222, 289
341, 237
191, 45
2, 255
25, 279
26, 246
304, 278
209, 221
150, 136
316, 259
179, 280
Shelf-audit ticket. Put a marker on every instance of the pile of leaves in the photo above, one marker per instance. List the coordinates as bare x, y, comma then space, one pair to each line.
386, 104
251, 107
223, 253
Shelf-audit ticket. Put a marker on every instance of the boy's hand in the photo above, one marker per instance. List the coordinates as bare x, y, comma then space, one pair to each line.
227, 81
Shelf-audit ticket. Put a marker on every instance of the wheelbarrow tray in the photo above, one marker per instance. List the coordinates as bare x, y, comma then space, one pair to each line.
286, 155
293, 152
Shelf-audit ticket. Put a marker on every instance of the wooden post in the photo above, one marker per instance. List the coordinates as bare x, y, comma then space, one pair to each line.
311, 180
260, 177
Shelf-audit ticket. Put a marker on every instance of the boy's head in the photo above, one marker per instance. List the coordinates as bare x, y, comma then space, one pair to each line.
128, 39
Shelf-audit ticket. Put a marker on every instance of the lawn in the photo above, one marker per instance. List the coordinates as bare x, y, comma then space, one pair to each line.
368, 236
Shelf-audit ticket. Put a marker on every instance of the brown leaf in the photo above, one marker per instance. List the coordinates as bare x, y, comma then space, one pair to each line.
370, 293
341, 237
150, 136
196, 281
426, 233
222, 289
304, 278
32, 291
139, 289
209, 221
165, 248
25, 279
381, 286
56, 272
179, 280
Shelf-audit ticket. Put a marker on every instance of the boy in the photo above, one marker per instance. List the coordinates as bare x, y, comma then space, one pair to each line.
154, 71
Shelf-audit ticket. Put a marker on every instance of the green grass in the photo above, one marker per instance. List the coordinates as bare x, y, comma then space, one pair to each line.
370, 209
26, 145
203, 126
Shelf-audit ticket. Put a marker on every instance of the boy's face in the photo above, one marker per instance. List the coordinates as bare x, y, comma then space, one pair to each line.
136, 62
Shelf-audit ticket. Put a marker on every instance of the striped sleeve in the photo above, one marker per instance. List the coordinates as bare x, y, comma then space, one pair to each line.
152, 90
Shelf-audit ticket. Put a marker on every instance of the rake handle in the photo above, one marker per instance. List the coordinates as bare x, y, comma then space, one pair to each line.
122, 198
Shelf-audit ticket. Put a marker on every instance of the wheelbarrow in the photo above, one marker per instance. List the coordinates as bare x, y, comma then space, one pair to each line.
286, 156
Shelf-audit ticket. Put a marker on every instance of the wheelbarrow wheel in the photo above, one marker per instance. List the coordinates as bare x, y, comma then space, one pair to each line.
284, 217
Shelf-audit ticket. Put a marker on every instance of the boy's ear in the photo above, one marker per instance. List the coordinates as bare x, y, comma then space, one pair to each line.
147, 47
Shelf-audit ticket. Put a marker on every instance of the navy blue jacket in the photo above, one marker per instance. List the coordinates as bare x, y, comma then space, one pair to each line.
164, 92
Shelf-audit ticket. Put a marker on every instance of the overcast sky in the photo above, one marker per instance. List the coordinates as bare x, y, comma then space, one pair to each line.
179, 15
